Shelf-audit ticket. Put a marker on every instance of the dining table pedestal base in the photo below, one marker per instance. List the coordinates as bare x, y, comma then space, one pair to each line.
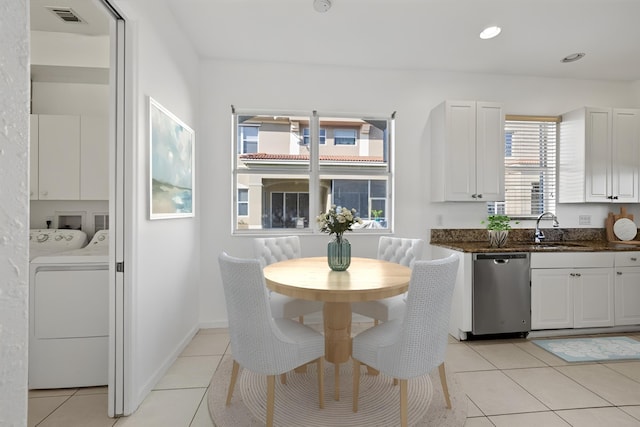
337, 337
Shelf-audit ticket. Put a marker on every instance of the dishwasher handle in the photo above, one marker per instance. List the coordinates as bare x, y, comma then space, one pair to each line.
501, 256
500, 261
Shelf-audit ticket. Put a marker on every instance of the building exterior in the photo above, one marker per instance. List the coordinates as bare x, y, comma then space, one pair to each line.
274, 162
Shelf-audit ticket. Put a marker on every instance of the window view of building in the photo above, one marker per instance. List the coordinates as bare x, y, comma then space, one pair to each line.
248, 137
289, 169
530, 167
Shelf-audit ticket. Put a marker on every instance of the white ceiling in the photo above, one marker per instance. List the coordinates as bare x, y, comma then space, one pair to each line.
416, 34
96, 21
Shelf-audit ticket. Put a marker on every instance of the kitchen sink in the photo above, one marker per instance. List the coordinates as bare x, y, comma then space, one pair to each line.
556, 245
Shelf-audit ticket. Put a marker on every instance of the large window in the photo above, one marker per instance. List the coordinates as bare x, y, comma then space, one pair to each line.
530, 167
298, 173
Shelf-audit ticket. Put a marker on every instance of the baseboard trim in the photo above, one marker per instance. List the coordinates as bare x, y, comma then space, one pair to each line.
583, 331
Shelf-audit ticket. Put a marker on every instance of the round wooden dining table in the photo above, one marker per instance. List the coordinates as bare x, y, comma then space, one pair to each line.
311, 278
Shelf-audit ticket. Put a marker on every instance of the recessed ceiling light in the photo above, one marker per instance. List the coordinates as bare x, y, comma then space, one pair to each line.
573, 57
490, 32
321, 5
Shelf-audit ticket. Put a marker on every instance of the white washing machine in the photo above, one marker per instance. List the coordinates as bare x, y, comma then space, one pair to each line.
45, 241
69, 317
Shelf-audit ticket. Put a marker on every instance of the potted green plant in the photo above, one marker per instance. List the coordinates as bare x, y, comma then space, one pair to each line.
377, 213
498, 227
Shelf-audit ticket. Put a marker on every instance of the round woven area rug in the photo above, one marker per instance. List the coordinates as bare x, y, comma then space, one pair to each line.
296, 402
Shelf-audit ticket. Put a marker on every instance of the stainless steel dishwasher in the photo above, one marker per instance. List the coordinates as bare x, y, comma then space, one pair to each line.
501, 293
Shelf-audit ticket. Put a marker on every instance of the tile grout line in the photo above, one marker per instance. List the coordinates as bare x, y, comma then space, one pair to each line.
55, 409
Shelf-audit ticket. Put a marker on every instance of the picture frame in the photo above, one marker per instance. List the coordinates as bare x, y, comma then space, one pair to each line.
171, 165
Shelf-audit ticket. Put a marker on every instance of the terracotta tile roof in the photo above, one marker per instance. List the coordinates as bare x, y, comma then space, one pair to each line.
305, 157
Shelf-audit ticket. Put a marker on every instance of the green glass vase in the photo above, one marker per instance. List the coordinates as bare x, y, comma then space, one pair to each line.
339, 254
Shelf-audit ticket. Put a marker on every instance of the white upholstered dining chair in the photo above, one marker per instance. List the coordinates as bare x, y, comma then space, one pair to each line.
273, 249
413, 346
401, 251
259, 342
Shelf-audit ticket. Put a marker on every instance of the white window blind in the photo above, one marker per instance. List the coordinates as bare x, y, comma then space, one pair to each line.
530, 167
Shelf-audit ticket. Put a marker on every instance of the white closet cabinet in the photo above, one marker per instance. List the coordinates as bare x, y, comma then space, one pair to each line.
627, 288
94, 158
599, 155
33, 158
58, 157
467, 151
69, 157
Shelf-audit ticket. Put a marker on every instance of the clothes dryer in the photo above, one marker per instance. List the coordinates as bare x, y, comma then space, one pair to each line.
69, 314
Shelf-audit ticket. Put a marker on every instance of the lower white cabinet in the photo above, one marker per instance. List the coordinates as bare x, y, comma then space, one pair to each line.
572, 290
551, 299
571, 298
627, 288
592, 297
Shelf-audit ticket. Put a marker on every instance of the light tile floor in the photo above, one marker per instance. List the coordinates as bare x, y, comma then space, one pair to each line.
508, 383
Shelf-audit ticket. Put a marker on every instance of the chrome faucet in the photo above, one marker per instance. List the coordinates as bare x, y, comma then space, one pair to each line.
539, 234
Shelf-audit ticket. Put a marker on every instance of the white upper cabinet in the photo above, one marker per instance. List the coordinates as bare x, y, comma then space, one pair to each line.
599, 155
69, 157
467, 151
58, 157
33, 158
94, 158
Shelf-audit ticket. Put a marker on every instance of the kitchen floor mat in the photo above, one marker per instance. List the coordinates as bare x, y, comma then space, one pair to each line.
592, 349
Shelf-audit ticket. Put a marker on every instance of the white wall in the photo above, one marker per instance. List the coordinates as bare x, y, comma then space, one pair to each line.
66, 49
14, 214
636, 91
70, 98
164, 253
366, 91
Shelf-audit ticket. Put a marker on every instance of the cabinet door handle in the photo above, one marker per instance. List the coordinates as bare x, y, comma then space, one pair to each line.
633, 258
479, 196
615, 197
578, 274
474, 196
619, 273
572, 274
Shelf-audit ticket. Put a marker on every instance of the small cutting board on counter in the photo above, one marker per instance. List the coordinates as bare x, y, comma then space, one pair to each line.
620, 228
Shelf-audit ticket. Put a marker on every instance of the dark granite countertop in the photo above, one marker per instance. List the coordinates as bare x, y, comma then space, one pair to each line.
521, 240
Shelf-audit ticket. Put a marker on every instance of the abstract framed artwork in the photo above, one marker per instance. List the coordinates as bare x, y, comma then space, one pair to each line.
171, 183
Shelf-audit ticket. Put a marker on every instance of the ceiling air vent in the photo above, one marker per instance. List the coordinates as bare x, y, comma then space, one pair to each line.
67, 15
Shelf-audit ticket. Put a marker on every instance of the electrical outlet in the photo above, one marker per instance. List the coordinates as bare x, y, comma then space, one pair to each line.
584, 220
439, 220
